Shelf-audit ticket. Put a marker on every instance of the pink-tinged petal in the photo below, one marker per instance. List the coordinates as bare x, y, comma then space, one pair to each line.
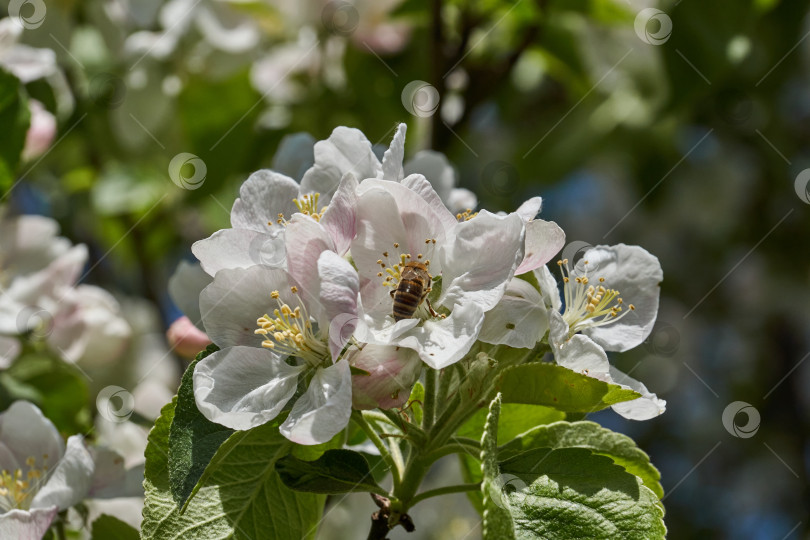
436, 168
637, 275
263, 196
482, 259
340, 216
544, 239
70, 481
392, 372
390, 213
236, 298
40, 133
243, 387
240, 248
324, 409
26, 524
519, 320
392, 159
338, 299
529, 209
306, 240
185, 339
646, 407
346, 150
90, 328
419, 184
442, 342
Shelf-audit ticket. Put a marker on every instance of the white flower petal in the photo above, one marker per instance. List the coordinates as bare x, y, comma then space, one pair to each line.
9, 350
27, 433
338, 297
548, 288
294, 155
644, 408
70, 481
243, 387
442, 342
392, 159
240, 248
263, 196
185, 286
324, 409
420, 185
306, 240
529, 209
237, 297
582, 355
478, 265
637, 275
346, 150
437, 169
519, 320
26, 525
30, 243
461, 199
389, 213
340, 216
544, 239
90, 328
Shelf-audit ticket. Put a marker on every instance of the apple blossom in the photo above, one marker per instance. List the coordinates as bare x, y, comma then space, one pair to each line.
40, 298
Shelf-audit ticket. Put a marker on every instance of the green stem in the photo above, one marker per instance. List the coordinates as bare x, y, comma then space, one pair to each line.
460, 445
357, 416
444, 491
445, 378
429, 411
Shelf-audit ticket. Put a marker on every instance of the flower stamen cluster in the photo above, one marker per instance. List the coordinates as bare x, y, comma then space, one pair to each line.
588, 306
466, 215
290, 332
18, 490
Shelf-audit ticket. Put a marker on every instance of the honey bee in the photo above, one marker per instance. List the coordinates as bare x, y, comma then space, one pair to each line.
412, 289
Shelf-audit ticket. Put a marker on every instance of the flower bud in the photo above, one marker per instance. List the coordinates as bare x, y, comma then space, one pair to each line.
186, 339
40, 132
392, 372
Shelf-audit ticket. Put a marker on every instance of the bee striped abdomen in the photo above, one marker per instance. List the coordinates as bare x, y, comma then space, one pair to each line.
407, 298
411, 290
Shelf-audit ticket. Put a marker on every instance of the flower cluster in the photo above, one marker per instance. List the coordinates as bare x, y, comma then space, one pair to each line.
338, 283
40, 300
41, 475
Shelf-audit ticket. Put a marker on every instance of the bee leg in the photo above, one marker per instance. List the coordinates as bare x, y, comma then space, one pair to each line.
392, 293
430, 308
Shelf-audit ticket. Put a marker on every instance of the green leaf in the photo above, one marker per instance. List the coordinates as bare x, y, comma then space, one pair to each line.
59, 389
110, 528
240, 495
560, 388
514, 419
620, 448
497, 519
15, 119
572, 493
336, 471
193, 439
